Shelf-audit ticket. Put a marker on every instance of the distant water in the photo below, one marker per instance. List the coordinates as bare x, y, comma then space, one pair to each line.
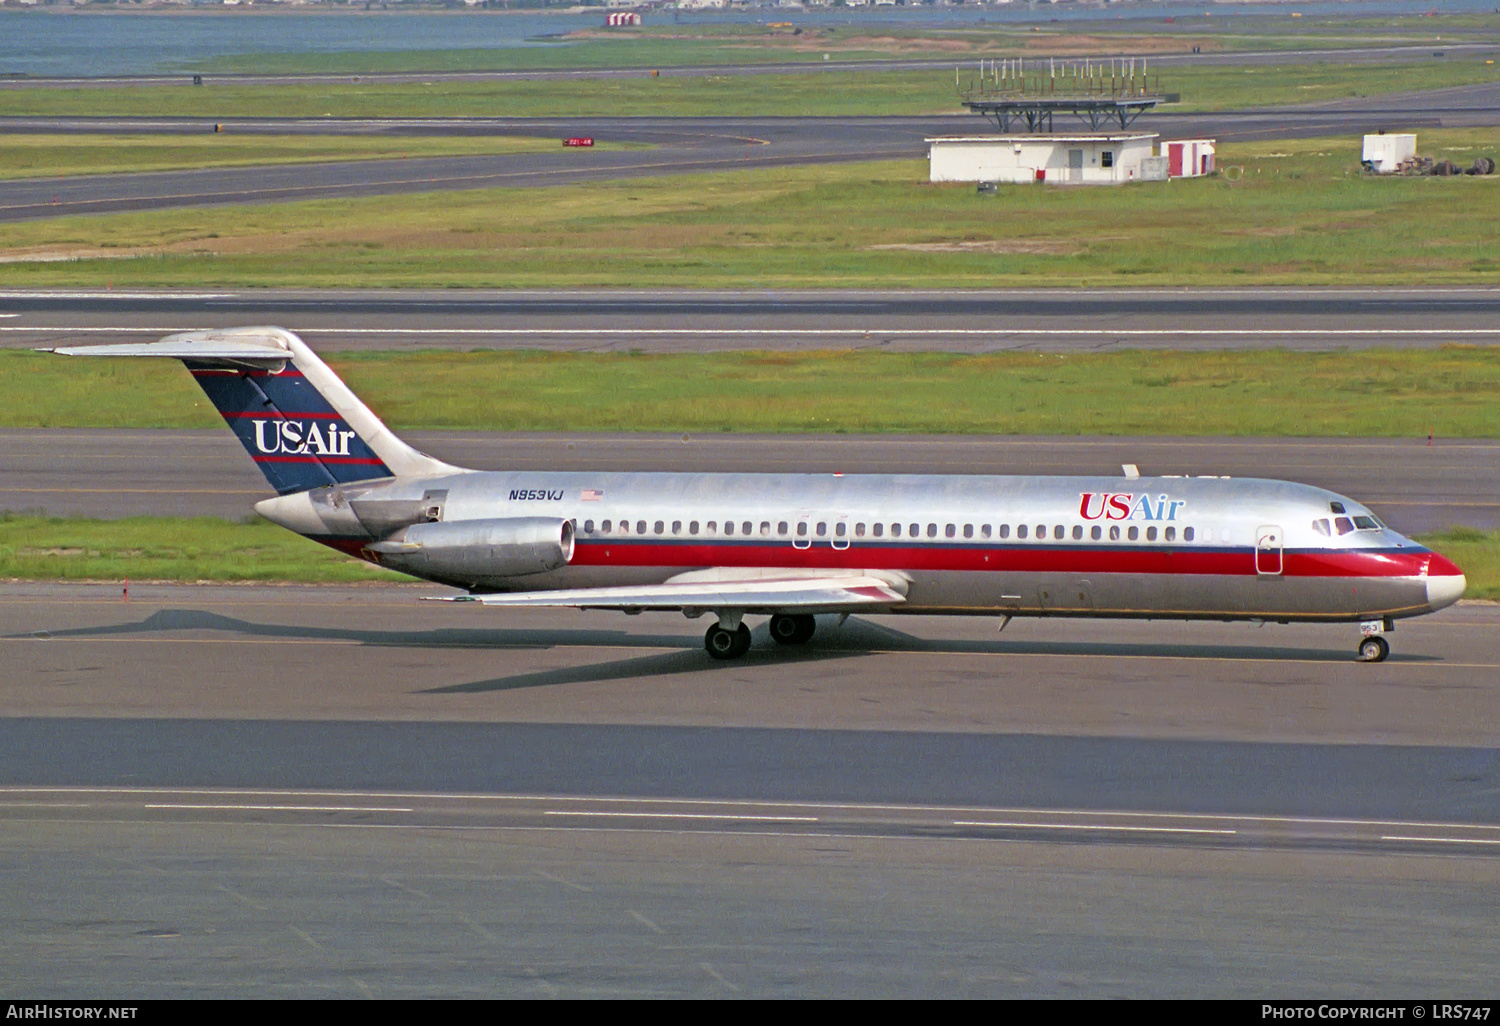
68, 44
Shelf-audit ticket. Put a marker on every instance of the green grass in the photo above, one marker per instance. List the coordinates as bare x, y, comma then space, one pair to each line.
1301, 213
1383, 393
817, 93
32, 156
210, 549
170, 549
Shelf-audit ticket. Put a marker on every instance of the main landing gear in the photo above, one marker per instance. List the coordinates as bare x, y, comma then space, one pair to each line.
792, 630
722, 642
1373, 648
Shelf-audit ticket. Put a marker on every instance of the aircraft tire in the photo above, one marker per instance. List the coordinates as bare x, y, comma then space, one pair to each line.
722, 644
788, 629
1374, 649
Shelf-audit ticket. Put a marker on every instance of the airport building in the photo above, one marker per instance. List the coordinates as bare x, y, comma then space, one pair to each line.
1096, 158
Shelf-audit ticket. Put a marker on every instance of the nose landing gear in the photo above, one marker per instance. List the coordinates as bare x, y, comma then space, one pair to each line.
1374, 648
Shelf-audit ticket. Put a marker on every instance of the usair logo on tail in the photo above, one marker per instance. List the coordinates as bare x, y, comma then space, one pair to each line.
301, 438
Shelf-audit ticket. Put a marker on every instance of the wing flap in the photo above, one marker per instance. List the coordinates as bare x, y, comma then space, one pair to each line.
828, 594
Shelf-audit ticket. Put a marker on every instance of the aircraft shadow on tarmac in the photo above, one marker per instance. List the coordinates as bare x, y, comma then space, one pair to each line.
855, 638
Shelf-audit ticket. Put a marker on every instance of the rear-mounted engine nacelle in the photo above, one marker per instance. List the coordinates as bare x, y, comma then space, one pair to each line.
472, 550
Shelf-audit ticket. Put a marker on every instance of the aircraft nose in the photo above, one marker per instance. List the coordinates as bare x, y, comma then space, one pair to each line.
1445, 583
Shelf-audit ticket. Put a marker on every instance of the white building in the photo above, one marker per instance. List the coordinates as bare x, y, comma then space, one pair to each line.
1111, 158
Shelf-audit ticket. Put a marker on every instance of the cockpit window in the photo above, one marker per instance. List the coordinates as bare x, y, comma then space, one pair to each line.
1366, 523
1336, 507
1343, 525
1321, 526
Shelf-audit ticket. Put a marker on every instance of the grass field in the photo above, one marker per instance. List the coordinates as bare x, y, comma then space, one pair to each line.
169, 549
1286, 213
34, 156
804, 94
209, 549
1379, 393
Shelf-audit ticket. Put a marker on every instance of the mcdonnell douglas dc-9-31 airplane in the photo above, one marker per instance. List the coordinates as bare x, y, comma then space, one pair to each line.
790, 546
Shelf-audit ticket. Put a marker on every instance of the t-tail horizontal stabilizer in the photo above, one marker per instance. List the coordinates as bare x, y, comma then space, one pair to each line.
301, 425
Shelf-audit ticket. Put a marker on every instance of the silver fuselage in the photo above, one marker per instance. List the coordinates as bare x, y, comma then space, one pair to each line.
1168, 547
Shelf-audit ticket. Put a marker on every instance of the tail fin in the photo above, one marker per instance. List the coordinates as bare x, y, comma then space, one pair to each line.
299, 423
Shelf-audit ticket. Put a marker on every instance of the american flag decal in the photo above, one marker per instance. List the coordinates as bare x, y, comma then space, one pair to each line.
591, 495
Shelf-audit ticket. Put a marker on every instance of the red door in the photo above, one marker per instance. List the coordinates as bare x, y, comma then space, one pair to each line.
1174, 159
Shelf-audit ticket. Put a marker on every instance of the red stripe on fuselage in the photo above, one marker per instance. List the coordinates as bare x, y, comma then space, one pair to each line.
1036, 559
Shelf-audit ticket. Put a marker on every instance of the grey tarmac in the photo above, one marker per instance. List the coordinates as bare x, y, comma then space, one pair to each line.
348, 792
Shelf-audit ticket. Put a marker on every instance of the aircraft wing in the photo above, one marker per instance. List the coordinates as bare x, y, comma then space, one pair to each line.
728, 588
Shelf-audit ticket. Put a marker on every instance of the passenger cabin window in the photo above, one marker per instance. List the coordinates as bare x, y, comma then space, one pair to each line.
659, 527
1169, 534
1077, 533
604, 527
765, 529
984, 530
1151, 534
839, 528
1134, 533
859, 530
588, 527
1114, 532
1096, 532
915, 530
693, 527
1187, 534
640, 527
1021, 531
677, 527
822, 529
932, 530
712, 527
968, 530
877, 529
951, 531
1005, 530
781, 528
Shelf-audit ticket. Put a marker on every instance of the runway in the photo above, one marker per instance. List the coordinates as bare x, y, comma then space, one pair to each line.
681, 145
936, 320
346, 791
